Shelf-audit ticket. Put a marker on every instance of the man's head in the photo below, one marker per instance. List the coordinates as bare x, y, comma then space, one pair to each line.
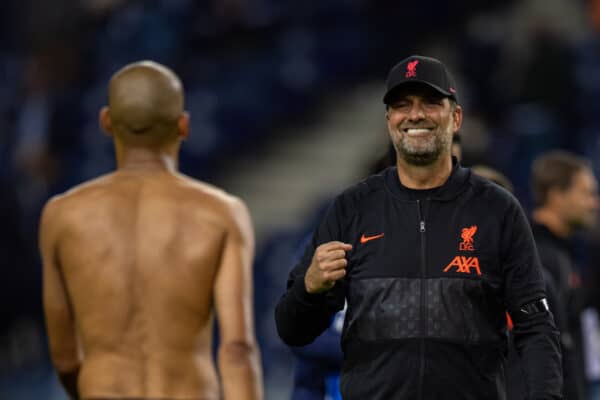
145, 106
421, 110
564, 184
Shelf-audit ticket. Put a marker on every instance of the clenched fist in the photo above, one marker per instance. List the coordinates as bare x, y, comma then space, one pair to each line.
328, 266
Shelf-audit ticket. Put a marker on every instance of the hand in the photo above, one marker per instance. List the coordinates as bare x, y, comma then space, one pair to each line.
328, 266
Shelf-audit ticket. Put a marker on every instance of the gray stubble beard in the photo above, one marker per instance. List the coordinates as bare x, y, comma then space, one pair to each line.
426, 157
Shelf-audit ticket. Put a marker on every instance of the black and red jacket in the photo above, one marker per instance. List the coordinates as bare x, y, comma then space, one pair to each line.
429, 280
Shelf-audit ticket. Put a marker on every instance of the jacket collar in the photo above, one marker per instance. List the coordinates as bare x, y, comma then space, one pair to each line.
454, 185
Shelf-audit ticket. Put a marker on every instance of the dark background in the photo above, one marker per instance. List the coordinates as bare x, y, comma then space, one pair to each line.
528, 74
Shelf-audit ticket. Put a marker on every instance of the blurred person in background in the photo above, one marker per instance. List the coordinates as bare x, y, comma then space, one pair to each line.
426, 305
565, 192
493, 175
591, 314
135, 260
516, 381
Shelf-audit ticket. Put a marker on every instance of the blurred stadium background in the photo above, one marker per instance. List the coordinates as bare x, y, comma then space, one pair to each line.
285, 101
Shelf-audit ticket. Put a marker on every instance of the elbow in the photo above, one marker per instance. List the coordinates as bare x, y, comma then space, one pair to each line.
291, 337
65, 364
234, 351
298, 343
290, 332
65, 367
290, 340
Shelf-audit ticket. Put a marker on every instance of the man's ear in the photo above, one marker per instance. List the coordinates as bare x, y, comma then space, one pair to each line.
555, 196
183, 125
105, 121
458, 118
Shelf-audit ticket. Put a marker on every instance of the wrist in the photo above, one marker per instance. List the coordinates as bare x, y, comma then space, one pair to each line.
308, 287
304, 296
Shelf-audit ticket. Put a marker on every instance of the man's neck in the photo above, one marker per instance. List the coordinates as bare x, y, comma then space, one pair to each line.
146, 159
424, 177
552, 221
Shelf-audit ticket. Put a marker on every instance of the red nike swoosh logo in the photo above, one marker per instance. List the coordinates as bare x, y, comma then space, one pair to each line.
365, 239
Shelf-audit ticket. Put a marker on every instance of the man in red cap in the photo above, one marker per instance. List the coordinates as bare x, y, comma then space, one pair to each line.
428, 257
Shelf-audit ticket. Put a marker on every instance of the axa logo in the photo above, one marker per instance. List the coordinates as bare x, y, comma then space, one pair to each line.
411, 69
466, 235
464, 264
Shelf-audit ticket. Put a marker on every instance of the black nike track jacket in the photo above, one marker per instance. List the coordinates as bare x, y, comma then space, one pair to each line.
428, 284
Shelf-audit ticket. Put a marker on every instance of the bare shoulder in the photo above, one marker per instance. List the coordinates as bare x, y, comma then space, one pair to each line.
205, 192
83, 189
229, 208
73, 196
76, 196
58, 208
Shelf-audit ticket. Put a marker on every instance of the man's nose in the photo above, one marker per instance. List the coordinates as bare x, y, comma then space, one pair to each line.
416, 112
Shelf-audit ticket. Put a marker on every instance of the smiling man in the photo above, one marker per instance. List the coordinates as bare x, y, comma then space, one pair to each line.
447, 254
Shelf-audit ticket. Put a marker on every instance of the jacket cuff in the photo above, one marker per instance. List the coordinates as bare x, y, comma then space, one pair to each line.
307, 299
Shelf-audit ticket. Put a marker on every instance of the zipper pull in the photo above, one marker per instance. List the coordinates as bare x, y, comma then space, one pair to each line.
422, 226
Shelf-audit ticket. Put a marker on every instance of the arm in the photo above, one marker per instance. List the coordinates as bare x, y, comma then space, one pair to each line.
313, 293
238, 355
60, 322
326, 349
536, 336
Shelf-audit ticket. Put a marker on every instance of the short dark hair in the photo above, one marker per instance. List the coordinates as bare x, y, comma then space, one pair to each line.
554, 170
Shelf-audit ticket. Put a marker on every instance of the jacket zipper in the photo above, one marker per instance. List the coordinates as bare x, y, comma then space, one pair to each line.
423, 308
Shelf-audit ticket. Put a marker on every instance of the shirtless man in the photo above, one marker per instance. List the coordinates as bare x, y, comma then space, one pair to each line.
135, 261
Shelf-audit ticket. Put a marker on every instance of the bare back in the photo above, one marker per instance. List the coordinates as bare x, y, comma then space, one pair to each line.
140, 256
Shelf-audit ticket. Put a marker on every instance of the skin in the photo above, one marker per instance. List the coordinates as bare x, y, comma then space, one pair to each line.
424, 161
137, 263
456, 150
576, 207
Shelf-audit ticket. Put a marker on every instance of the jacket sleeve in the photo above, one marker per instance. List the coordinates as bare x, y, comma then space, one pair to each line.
300, 316
325, 349
535, 333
